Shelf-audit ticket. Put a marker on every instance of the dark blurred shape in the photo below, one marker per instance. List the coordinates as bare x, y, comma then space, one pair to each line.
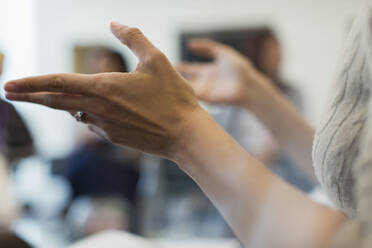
106, 177
103, 59
10, 240
98, 59
101, 169
15, 139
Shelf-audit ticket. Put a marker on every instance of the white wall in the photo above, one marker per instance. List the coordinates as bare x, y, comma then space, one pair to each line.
312, 33
17, 40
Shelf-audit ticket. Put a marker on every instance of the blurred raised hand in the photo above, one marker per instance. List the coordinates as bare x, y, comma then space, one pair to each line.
146, 109
230, 78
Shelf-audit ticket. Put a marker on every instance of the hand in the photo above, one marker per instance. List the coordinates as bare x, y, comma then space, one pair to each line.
230, 78
147, 109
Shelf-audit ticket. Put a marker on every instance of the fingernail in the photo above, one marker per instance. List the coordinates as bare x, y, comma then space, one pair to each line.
12, 87
11, 96
115, 28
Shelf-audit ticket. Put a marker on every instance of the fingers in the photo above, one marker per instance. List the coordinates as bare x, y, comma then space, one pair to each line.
205, 47
63, 83
134, 39
56, 101
72, 104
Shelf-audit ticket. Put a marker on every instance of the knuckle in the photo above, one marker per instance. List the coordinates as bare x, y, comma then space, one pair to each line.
57, 83
134, 32
96, 78
130, 35
157, 59
100, 85
157, 56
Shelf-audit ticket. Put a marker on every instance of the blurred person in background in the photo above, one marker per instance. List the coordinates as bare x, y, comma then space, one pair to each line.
104, 59
189, 213
15, 143
103, 176
264, 52
15, 139
262, 47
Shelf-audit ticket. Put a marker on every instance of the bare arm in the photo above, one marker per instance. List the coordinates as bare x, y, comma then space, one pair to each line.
153, 109
263, 210
291, 130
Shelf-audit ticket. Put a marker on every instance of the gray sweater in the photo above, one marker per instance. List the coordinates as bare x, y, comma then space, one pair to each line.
342, 147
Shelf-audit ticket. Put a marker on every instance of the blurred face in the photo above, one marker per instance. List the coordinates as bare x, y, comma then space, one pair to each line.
104, 64
270, 57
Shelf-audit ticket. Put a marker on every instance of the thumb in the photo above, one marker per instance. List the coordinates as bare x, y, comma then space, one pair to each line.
134, 39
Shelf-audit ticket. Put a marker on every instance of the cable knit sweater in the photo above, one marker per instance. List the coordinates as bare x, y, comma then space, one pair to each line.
342, 151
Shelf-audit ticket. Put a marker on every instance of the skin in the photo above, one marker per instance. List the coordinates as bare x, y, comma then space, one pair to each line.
270, 57
269, 61
155, 110
232, 79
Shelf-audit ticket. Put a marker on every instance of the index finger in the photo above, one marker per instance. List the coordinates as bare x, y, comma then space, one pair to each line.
80, 84
134, 39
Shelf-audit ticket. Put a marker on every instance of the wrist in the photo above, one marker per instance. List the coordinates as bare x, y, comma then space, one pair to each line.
188, 133
258, 93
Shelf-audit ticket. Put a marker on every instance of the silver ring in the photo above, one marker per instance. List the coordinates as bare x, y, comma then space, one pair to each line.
79, 116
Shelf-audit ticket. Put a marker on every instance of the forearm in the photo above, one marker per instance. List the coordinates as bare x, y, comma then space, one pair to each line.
291, 130
262, 210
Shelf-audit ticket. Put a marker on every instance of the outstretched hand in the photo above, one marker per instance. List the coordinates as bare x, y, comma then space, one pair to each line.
147, 109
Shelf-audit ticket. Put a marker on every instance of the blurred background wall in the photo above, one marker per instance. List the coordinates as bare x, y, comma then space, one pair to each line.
311, 32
